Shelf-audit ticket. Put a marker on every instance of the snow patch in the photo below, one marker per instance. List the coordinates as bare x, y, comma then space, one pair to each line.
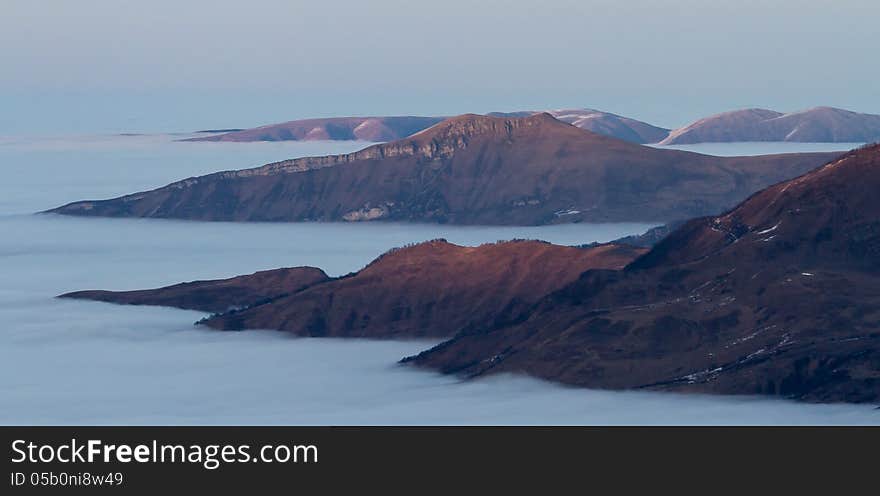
560, 213
766, 231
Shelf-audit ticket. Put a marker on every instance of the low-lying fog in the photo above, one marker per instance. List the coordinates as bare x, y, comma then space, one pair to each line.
77, 362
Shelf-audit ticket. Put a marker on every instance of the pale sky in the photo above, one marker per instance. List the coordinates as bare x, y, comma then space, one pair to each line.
172, 65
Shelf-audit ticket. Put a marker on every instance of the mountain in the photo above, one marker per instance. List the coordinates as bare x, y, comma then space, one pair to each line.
819, 125
333, 128
432, 289
603, 123
779, 296
471, 169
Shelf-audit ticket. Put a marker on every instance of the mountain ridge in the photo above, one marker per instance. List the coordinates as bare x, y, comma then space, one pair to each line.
429, 289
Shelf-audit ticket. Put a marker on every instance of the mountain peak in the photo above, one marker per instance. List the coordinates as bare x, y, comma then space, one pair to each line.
470, 125
826, 108
599, 122
753, 112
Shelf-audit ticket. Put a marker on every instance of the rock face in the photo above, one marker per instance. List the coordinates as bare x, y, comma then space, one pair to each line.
471, 170
433, 289
819, 125
779, 296
334, 128
215, 296
603, 123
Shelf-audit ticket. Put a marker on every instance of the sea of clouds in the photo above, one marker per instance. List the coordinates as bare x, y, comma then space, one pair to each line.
80, 362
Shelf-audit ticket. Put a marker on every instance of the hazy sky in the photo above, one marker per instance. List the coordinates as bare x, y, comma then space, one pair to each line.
120, 65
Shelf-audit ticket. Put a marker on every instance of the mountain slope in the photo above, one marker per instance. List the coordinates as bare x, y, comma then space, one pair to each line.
432, 289
820, 124
471, 170
779, 296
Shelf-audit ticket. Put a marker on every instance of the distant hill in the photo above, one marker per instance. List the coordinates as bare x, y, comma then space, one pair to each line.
333, 128
471, 169
820, 125
230, 130
392, 128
